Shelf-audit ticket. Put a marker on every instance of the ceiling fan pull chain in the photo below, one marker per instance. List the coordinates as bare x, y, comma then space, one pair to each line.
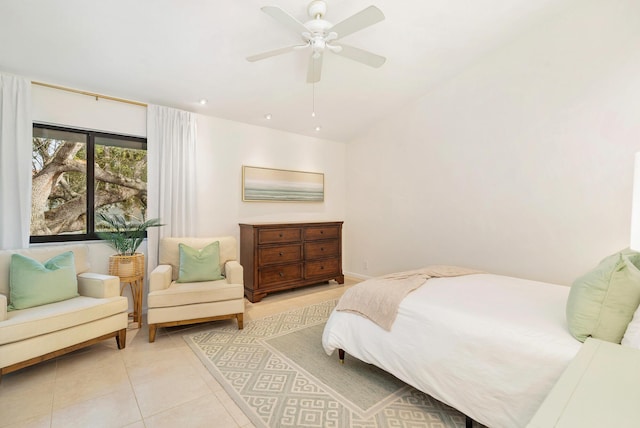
313, 97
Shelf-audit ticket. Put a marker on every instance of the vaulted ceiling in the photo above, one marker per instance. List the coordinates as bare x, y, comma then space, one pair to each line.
175, 53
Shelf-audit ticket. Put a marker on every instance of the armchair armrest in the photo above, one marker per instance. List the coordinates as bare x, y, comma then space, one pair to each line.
234, 272
98, 285
160, 278
3, 307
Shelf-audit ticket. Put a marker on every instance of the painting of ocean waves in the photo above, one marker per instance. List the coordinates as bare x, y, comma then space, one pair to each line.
265, 184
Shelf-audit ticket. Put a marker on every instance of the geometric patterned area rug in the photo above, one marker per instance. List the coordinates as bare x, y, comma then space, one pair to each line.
277, 372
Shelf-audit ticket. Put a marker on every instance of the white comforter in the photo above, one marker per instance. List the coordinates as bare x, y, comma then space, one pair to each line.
490, 346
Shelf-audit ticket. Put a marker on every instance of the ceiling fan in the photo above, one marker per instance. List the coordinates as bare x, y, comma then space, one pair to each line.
319, 35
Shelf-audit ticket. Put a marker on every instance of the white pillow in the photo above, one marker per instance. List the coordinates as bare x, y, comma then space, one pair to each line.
631, 336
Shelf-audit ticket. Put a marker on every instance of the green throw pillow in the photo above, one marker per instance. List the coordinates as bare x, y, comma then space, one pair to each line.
199, 265
32, 283
601, 303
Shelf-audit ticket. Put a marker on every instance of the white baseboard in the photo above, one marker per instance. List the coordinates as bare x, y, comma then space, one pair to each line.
357, 275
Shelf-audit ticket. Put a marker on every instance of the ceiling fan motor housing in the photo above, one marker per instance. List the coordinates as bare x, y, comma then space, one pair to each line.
317, 8
319, 28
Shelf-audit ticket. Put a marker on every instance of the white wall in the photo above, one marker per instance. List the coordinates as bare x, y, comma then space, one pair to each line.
71, 109
223, 147
520, 165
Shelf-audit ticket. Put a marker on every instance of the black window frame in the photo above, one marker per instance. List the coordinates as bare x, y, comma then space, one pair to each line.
91, 137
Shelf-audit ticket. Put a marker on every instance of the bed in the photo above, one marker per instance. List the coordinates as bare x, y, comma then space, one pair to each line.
488, 345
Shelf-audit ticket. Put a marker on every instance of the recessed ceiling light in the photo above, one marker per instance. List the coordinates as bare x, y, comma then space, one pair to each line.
203, 101
267, 116
318, 128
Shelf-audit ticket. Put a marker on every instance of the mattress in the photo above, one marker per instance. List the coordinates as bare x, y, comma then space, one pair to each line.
490, 346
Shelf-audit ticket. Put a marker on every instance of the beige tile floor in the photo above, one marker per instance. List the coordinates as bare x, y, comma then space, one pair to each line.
160, 384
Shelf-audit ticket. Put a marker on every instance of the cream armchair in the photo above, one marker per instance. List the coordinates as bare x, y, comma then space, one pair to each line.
171, 303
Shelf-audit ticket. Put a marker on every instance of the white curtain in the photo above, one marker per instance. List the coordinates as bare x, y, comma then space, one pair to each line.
16, 130
171, 175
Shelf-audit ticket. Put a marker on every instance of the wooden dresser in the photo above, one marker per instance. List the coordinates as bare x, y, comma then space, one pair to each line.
281, 256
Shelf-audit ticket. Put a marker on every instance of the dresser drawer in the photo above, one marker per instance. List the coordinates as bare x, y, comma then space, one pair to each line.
279, 274
276, 236
319, 268
321, 249
279, 254
321, 232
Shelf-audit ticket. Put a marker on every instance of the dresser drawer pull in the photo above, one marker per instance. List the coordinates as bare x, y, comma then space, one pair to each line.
321, 267
280, 235
280, 253
321, 248
322, 232
281, 274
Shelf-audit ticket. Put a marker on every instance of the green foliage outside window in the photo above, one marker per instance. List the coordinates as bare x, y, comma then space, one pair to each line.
77, 175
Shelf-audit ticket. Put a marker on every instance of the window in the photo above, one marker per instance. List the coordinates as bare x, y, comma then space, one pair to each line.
77, 174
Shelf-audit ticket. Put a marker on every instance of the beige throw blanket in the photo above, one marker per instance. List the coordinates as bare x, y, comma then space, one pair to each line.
378, 299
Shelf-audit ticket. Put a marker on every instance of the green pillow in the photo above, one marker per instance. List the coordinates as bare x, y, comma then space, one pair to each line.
199, 265
601, 303
32, 283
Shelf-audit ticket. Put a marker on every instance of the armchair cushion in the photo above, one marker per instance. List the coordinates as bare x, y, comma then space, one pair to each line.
34, 284
41, 320
199, 265
195, 293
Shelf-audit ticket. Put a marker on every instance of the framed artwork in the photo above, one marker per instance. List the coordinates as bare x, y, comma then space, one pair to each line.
281, 185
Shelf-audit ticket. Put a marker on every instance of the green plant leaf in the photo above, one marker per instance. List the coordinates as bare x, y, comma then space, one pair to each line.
125, 236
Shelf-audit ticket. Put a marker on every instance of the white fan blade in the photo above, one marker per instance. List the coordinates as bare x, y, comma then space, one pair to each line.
360, 55
285, 19
357, 22
315, 69
269, 54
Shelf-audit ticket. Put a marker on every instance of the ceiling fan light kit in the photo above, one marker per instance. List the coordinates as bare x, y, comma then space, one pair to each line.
318, 36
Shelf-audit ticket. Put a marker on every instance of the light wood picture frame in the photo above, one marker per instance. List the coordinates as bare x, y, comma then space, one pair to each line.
281, 185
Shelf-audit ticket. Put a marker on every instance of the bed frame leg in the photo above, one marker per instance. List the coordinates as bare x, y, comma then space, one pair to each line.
468, 422
341, 355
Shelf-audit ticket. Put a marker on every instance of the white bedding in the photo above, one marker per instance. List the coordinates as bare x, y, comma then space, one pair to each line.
490, 346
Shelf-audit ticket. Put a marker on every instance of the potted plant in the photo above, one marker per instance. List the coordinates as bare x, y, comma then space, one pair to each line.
125, 234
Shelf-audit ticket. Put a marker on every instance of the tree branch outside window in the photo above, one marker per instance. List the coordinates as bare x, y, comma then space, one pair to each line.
77, 174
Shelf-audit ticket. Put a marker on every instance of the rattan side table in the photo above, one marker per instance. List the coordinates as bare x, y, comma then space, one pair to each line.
135, 283
130, 270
